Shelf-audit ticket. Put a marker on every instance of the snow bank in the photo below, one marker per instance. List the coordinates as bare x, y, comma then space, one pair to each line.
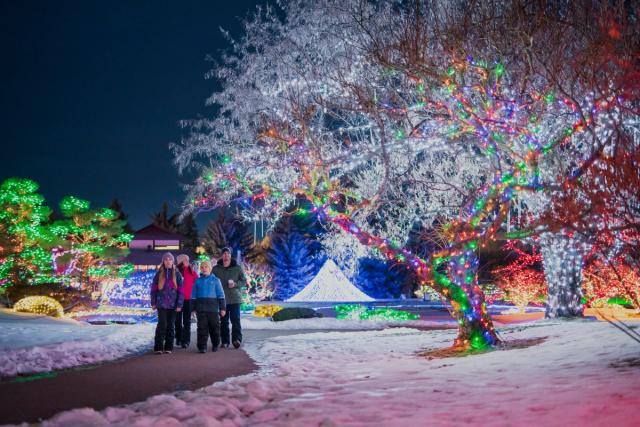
584, 373
40, 344
329, 323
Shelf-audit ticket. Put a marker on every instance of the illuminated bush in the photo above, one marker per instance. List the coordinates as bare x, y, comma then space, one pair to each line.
524, 287
267, 310
45, 306
360, 312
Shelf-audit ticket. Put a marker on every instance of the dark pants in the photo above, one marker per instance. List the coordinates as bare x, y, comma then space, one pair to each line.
233, 313
183, 324
208, 326
164, 329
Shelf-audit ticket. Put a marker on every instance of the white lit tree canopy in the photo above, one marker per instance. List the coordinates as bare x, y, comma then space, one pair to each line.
384, 115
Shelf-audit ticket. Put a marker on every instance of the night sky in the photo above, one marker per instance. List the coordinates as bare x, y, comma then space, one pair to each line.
92, 92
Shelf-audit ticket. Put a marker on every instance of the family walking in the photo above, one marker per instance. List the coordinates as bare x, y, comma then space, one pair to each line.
215, 295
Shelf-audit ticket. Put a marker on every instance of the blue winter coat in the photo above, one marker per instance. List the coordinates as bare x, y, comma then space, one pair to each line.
208, 294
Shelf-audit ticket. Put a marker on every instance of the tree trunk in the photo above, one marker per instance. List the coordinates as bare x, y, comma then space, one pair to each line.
468, 302
563, 258
453, 277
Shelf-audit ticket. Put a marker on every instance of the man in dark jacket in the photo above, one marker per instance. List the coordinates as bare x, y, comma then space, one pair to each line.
233, 281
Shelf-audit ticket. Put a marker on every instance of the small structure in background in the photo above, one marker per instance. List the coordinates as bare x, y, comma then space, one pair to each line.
148, 245
330, 284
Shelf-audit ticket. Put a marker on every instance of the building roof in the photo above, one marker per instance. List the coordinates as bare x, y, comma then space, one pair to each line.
153, 232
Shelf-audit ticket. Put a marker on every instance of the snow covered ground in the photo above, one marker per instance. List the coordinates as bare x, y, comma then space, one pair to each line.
582, 373
30, 343
326, 323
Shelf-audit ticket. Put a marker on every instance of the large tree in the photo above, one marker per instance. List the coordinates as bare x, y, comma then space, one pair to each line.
381, 115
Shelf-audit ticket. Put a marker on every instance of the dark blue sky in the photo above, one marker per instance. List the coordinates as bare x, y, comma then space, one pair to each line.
92, 92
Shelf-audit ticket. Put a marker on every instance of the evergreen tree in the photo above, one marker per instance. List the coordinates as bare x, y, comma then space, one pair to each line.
116, 206
226, 230
25, 257
189, 229
93, 241
163, 220
292, 264
302, 221
379, 279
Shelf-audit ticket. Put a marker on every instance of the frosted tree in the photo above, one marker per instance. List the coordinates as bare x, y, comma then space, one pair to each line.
382, 115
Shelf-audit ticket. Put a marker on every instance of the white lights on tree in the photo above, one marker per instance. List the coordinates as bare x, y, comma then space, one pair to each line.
563, 259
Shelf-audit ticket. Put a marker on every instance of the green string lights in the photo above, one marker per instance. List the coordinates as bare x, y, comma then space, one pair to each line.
84, 245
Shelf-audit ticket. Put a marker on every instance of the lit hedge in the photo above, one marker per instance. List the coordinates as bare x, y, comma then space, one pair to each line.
45, 306
360, 312
267, 310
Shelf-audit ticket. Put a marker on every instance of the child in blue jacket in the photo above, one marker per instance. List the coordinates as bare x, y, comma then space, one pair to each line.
209, 305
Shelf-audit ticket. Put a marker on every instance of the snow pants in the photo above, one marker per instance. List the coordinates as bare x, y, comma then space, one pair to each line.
233, 314
183, 324
165, 329
208, 327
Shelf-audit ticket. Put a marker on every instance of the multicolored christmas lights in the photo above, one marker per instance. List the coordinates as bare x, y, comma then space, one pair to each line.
473, 103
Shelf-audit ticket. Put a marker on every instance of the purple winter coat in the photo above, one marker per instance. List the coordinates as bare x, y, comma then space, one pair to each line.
169, 297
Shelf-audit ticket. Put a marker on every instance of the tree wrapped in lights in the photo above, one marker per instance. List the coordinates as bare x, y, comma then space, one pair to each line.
378, 278
292, 264
609, 280
603, 210
378, 128
522, 280
524, 287
93, 241
259, 283
598, 214
25, 240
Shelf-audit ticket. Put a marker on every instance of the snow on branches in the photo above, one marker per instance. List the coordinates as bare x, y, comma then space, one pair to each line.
382, 116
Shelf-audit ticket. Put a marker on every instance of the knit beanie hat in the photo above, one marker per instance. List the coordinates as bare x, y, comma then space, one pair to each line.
181, 258
168, 255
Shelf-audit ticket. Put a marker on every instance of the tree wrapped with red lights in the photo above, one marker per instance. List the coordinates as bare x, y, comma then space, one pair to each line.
522, 280
612, 280
379, 119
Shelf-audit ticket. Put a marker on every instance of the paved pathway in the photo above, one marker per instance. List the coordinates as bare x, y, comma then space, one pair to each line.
40, 397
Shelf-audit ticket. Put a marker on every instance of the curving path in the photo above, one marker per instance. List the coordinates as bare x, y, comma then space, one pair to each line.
39, 397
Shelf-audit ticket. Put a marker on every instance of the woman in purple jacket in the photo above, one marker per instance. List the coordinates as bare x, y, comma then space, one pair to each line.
167, 295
